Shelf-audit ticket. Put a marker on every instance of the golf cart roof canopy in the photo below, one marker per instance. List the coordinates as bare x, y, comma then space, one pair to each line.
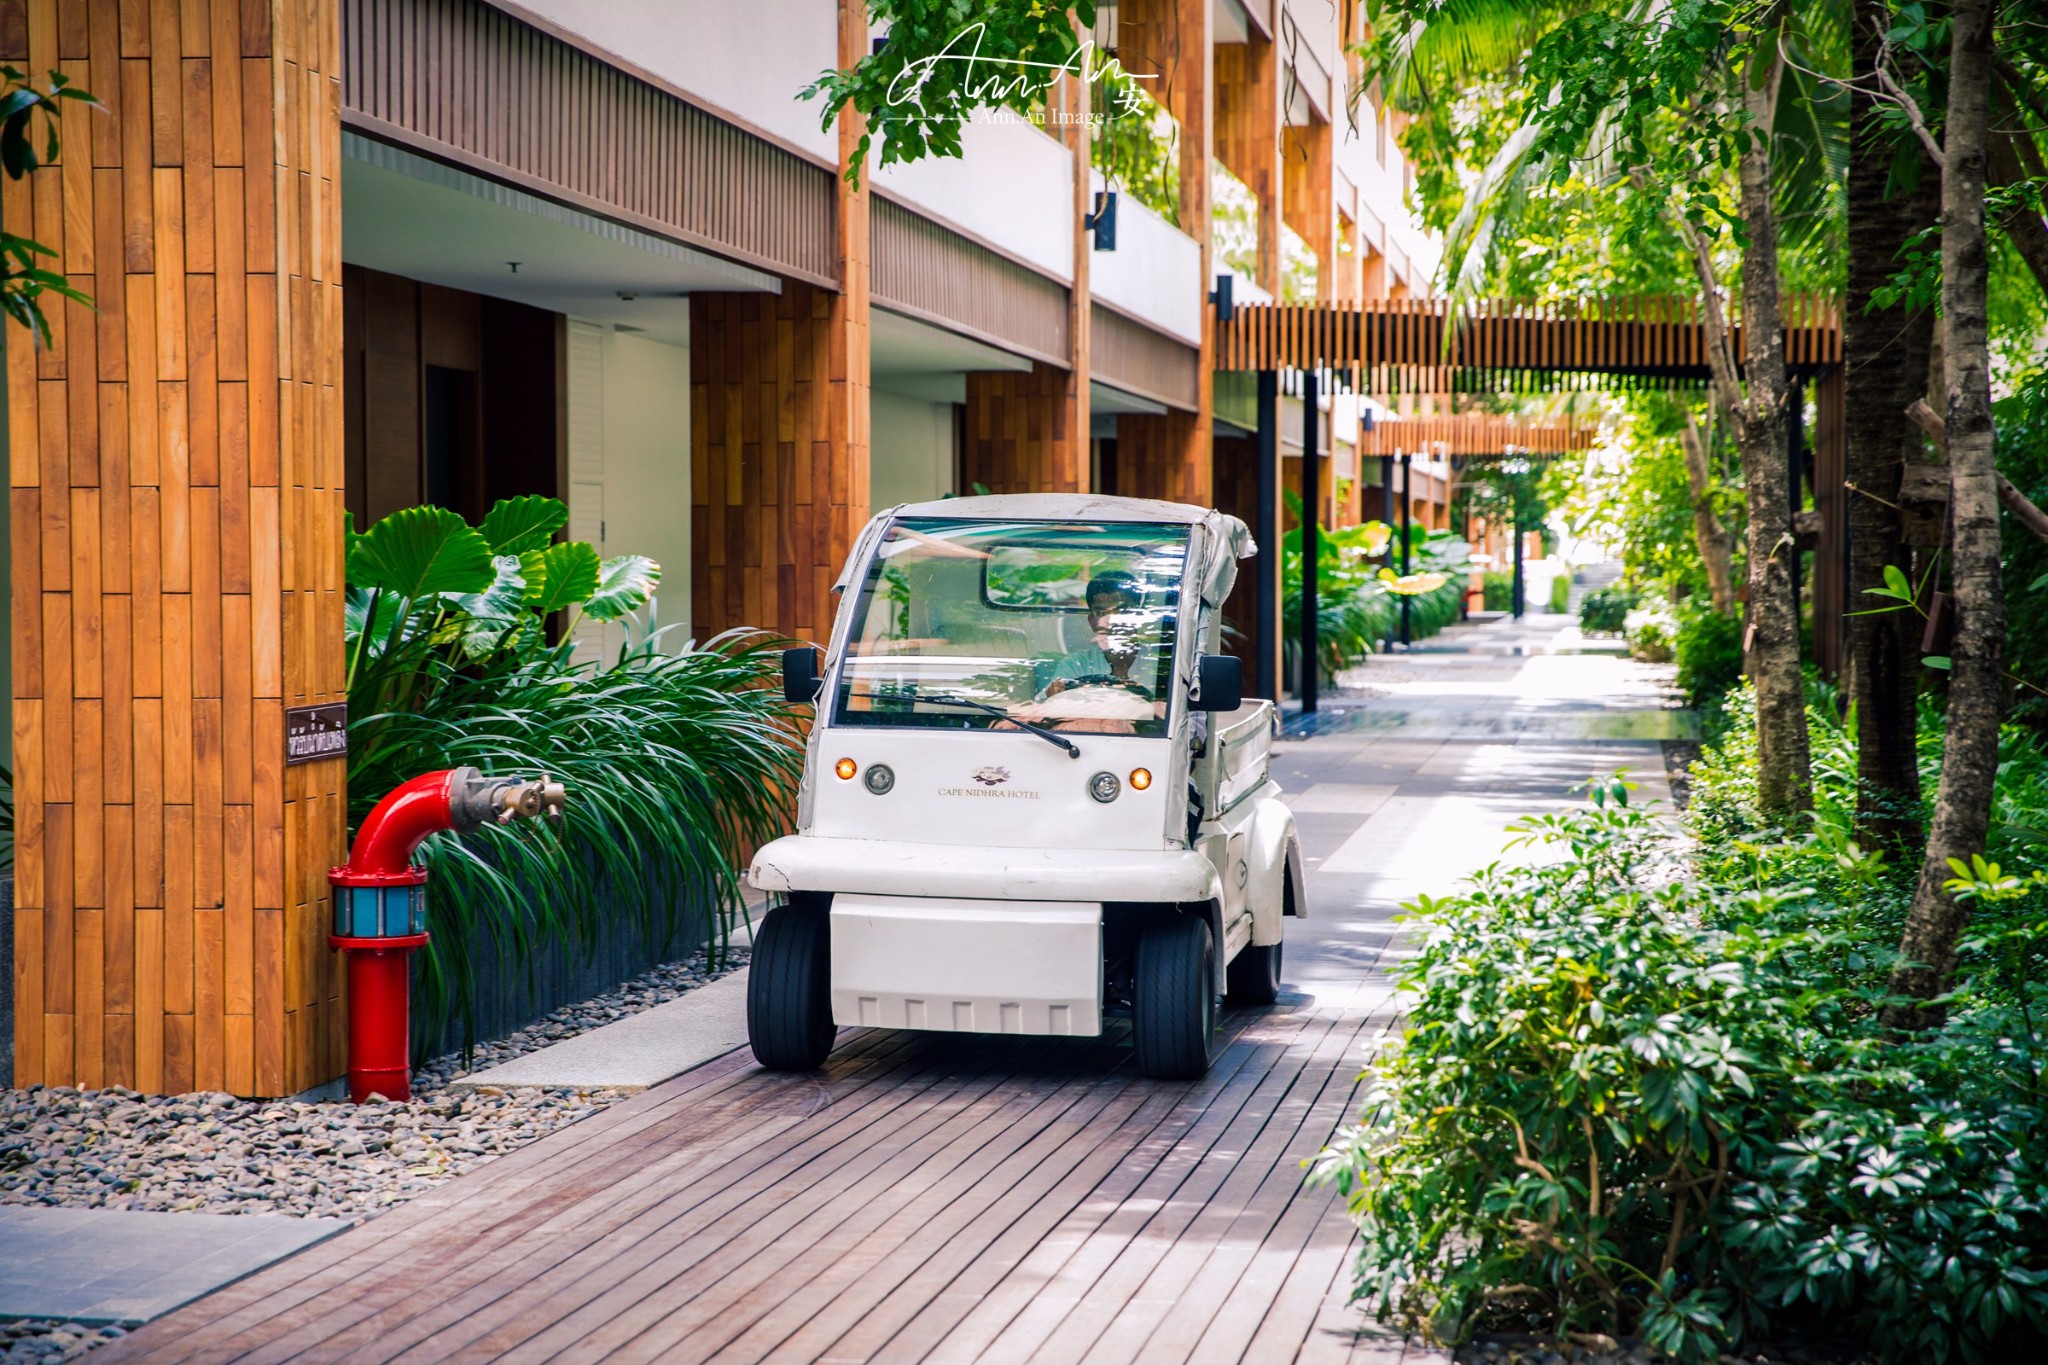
1224, 539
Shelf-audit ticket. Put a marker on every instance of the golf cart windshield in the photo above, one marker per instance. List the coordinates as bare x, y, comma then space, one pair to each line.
978, 625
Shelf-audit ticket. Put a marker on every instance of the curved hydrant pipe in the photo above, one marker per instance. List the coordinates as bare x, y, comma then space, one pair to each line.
380, 907
392, 832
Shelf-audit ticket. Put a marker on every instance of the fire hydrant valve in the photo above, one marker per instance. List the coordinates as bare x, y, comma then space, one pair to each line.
380, 907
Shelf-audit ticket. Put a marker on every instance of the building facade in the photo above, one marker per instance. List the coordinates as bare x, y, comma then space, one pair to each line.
357, 255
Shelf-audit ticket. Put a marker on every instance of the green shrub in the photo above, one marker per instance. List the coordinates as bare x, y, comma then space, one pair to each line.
1605, 610
1650, 628
1640, 1103
1358, 600
1500, 590
674, 761
1561, 593
1709, 652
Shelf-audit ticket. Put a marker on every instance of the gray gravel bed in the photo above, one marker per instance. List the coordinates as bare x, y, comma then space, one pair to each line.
41, 1339
214, 1153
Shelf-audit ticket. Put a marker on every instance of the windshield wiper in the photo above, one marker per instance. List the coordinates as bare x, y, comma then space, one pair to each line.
948, 699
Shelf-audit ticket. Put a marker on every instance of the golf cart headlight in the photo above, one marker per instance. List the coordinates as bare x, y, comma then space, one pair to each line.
846, 768
1105, 787
880, 778
1141, 778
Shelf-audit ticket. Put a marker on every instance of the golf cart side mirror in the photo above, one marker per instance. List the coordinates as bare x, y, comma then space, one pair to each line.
800, 675
1219, 683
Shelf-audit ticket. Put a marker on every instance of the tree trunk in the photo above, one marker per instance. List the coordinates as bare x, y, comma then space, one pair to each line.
1969, 765
1784, 756
1784, 753
1707, 531
1884, 356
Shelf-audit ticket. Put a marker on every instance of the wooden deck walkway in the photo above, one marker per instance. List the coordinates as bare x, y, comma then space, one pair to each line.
953, 1198
929, 1197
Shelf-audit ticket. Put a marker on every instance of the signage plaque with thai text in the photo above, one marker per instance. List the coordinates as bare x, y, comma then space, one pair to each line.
315, 732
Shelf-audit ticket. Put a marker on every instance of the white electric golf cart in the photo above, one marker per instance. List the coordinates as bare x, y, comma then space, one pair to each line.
1033, 795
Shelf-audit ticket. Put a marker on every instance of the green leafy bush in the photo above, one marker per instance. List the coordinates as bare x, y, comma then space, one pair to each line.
1500, 590
1650, 628
1606, 610
1654, 1105
675, 760
1709, 651
1561, 593
1697, 1023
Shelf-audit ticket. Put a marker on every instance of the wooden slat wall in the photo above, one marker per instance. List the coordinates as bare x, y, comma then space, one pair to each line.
1474, 436
1133, 357
1020, 433
470, 84
776, 500
931, 272
1397, 345
176, 467
1164, 456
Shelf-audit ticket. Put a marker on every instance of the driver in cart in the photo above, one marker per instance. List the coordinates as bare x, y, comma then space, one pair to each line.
1111, 648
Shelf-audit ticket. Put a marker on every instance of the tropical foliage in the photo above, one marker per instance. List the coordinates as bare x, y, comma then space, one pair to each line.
1360, 591
677, 757
1643, 1093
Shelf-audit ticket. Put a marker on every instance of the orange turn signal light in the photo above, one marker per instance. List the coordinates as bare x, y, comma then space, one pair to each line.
846, 768
1141, 778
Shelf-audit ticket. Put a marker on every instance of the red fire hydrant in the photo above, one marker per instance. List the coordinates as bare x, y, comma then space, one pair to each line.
380, 907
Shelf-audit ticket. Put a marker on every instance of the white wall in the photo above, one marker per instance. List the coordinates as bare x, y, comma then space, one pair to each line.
748, 57
629, 461
1014, 186
1155, 273
912, 454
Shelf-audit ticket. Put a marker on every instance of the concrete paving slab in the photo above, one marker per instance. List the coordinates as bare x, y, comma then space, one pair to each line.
115, 1266
639, 1051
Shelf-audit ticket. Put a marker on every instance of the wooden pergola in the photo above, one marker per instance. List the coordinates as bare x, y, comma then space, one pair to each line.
1472, 436
1385, 347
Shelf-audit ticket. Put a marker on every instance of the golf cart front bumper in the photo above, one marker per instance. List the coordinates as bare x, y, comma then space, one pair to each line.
889, 867
965, 966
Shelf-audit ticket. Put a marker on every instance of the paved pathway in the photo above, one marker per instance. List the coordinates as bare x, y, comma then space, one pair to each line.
951, 1198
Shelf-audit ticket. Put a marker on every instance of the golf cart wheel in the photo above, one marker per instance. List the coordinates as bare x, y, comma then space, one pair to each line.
1175, 1014
789, 998
1254, 975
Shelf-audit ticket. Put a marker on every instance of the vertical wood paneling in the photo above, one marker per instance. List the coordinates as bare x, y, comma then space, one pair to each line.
1022, 436
164, 520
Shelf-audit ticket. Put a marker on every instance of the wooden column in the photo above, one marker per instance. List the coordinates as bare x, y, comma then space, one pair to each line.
1308, 167
176, 475
779, 427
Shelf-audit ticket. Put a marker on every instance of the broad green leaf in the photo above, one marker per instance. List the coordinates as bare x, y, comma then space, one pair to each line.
485, 620
1940, 661
516, 525
355, 612
560, 576
2038, 584
625, 583
1895, 579
419, 551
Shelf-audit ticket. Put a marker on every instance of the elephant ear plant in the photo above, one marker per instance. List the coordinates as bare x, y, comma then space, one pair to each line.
677, 755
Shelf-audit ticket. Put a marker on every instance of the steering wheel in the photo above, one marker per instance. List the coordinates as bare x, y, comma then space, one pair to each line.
1105, 680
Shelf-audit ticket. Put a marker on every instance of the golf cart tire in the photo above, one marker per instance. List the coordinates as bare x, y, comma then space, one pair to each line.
1254, 975
789, 991
1175, 1014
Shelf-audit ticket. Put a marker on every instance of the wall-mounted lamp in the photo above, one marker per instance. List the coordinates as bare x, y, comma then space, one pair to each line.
1102, 222
879, 42
1221, 297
